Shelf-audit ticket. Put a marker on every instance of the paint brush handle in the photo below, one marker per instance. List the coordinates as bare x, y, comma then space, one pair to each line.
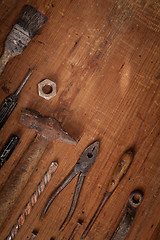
4, 60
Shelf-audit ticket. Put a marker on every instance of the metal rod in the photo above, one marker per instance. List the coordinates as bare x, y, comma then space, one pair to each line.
17, 92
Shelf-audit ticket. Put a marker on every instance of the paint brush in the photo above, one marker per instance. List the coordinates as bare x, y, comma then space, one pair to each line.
26, 27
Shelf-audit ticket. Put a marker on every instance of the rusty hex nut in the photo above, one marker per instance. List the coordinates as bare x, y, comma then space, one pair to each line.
47, 89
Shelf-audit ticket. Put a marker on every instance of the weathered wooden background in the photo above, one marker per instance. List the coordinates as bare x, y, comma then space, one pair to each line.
104, 56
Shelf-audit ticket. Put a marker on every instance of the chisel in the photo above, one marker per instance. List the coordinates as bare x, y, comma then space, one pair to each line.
10, 102
117, 175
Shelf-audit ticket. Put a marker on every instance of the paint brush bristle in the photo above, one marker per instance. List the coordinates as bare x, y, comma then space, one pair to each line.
31, 20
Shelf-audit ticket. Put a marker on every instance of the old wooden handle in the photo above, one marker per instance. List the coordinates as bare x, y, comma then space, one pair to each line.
120, 169
20, 176
4, 60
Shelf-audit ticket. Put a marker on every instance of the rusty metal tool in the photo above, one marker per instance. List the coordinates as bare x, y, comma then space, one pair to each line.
82, 167
135, 199
33, 200
28, 24
117, 175
10, 102
8, 149
48, 130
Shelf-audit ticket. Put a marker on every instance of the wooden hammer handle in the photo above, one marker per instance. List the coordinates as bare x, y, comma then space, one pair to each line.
20, 176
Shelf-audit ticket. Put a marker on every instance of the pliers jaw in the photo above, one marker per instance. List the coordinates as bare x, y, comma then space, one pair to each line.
87, 158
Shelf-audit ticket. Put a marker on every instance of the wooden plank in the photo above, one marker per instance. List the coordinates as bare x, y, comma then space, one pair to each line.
104, 57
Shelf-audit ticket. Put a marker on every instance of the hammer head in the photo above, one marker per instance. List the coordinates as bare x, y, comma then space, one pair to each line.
47, 127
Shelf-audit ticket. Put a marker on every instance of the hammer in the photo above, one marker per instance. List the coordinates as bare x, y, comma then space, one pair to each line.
48, 130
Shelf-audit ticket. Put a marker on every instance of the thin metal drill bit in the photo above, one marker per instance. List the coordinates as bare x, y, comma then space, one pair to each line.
33, 199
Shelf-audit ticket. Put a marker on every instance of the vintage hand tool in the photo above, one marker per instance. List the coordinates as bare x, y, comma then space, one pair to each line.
9, 103
8, 149
28, 24
118, 173
135, 200
49, 129
33, 200
83, 166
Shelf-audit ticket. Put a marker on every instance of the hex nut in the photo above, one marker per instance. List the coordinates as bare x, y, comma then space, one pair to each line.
47, 89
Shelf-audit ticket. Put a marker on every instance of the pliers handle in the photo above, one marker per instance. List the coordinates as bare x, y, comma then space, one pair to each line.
83, 165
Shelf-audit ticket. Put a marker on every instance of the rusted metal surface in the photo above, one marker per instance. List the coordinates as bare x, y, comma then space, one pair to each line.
83, 165
135, 199
48, 93
117, 175
33, 200
49, 128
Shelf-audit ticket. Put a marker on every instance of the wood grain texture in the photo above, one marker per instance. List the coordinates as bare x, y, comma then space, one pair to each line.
104, 57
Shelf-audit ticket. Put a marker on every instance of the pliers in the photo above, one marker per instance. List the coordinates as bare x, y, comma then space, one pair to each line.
83, 166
